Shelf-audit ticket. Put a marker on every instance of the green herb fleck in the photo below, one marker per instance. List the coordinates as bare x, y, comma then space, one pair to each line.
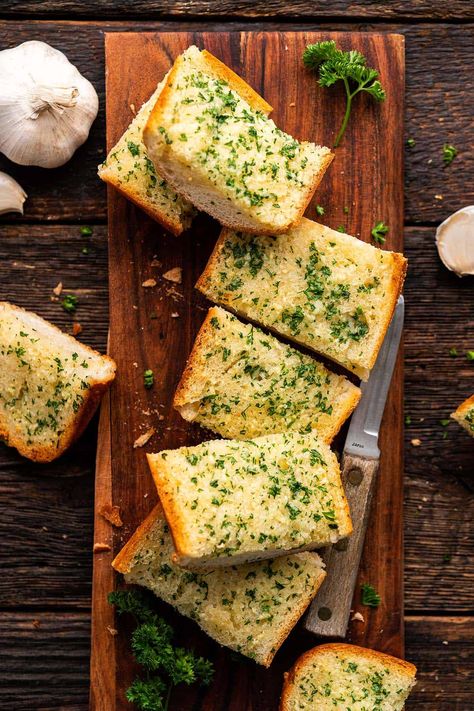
453, 352
470, 355
407, 420
411, 143
378, 232
449, 153
319, 210
148, 379
370, 596
86, 231
69, 303
133, 148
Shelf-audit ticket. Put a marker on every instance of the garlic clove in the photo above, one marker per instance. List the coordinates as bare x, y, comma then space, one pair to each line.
46, 106
12, 195
455, 241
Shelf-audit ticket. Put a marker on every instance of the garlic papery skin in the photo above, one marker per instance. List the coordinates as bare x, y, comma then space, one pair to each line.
46, 106
455, 241
12, 195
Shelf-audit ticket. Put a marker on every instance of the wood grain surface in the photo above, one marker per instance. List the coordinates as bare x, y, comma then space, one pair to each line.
439, 109
458, 9
154, 328
47, 522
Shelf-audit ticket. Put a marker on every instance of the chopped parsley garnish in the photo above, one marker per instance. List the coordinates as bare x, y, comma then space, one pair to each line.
370, 596
449, 153
86, 231
378, 232
453, 352
133, 148
69, 303
319, 210
470, 355
148, 379
411, 143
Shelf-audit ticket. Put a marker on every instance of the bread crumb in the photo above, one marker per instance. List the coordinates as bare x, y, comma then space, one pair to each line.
416, 442
36, 624
112, 631
132, 109
445, 641
64, 536
174, 274
111, 514
101, 548
149, 283
143, 439
58, 289
357, 616
293, 103
438, 197
76, 328
155, 262
175, 314
430, 161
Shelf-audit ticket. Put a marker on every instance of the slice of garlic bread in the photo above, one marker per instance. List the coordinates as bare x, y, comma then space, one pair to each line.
50, 384
209, 135
243, 383
129, 169
336, 677
250, 608
464, 415
325, 290
230, 502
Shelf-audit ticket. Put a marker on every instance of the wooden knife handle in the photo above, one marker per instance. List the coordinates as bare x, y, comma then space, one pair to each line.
329, 613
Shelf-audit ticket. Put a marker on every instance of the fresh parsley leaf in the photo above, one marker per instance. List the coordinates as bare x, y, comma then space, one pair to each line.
69, 303
378, 232
148, 379
350, 67
444, 423
319, 210
370, 596
453, 352
341, 228
449, 153
411, 143
470, 355
153, 648
407, 420
86, 231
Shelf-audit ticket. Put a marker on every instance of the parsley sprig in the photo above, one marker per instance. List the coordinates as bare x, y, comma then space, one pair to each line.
349, 67
153, 649
378, 232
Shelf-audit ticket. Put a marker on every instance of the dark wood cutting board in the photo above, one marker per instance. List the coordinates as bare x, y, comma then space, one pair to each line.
155, 328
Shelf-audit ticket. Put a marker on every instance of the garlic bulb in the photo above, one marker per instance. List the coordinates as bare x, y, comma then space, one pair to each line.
455, 241
46, 106
12, 195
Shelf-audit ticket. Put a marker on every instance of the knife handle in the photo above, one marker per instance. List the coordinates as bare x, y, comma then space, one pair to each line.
329, 613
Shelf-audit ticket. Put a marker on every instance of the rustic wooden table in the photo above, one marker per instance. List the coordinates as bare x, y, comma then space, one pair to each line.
46, 522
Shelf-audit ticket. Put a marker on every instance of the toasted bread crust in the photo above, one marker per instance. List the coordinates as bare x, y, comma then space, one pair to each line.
123, 560
176, 227
392, 663
75, 428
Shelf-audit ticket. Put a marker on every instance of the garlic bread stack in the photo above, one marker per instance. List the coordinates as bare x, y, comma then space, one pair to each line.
211, 139
50, 384
327, 291
129, 169
241, 383
250, 608
230, 501
343, 676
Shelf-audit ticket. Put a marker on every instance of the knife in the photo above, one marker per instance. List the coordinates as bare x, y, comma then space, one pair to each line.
329, 613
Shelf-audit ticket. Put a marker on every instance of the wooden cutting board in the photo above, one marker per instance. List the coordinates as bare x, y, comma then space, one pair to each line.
155, 328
